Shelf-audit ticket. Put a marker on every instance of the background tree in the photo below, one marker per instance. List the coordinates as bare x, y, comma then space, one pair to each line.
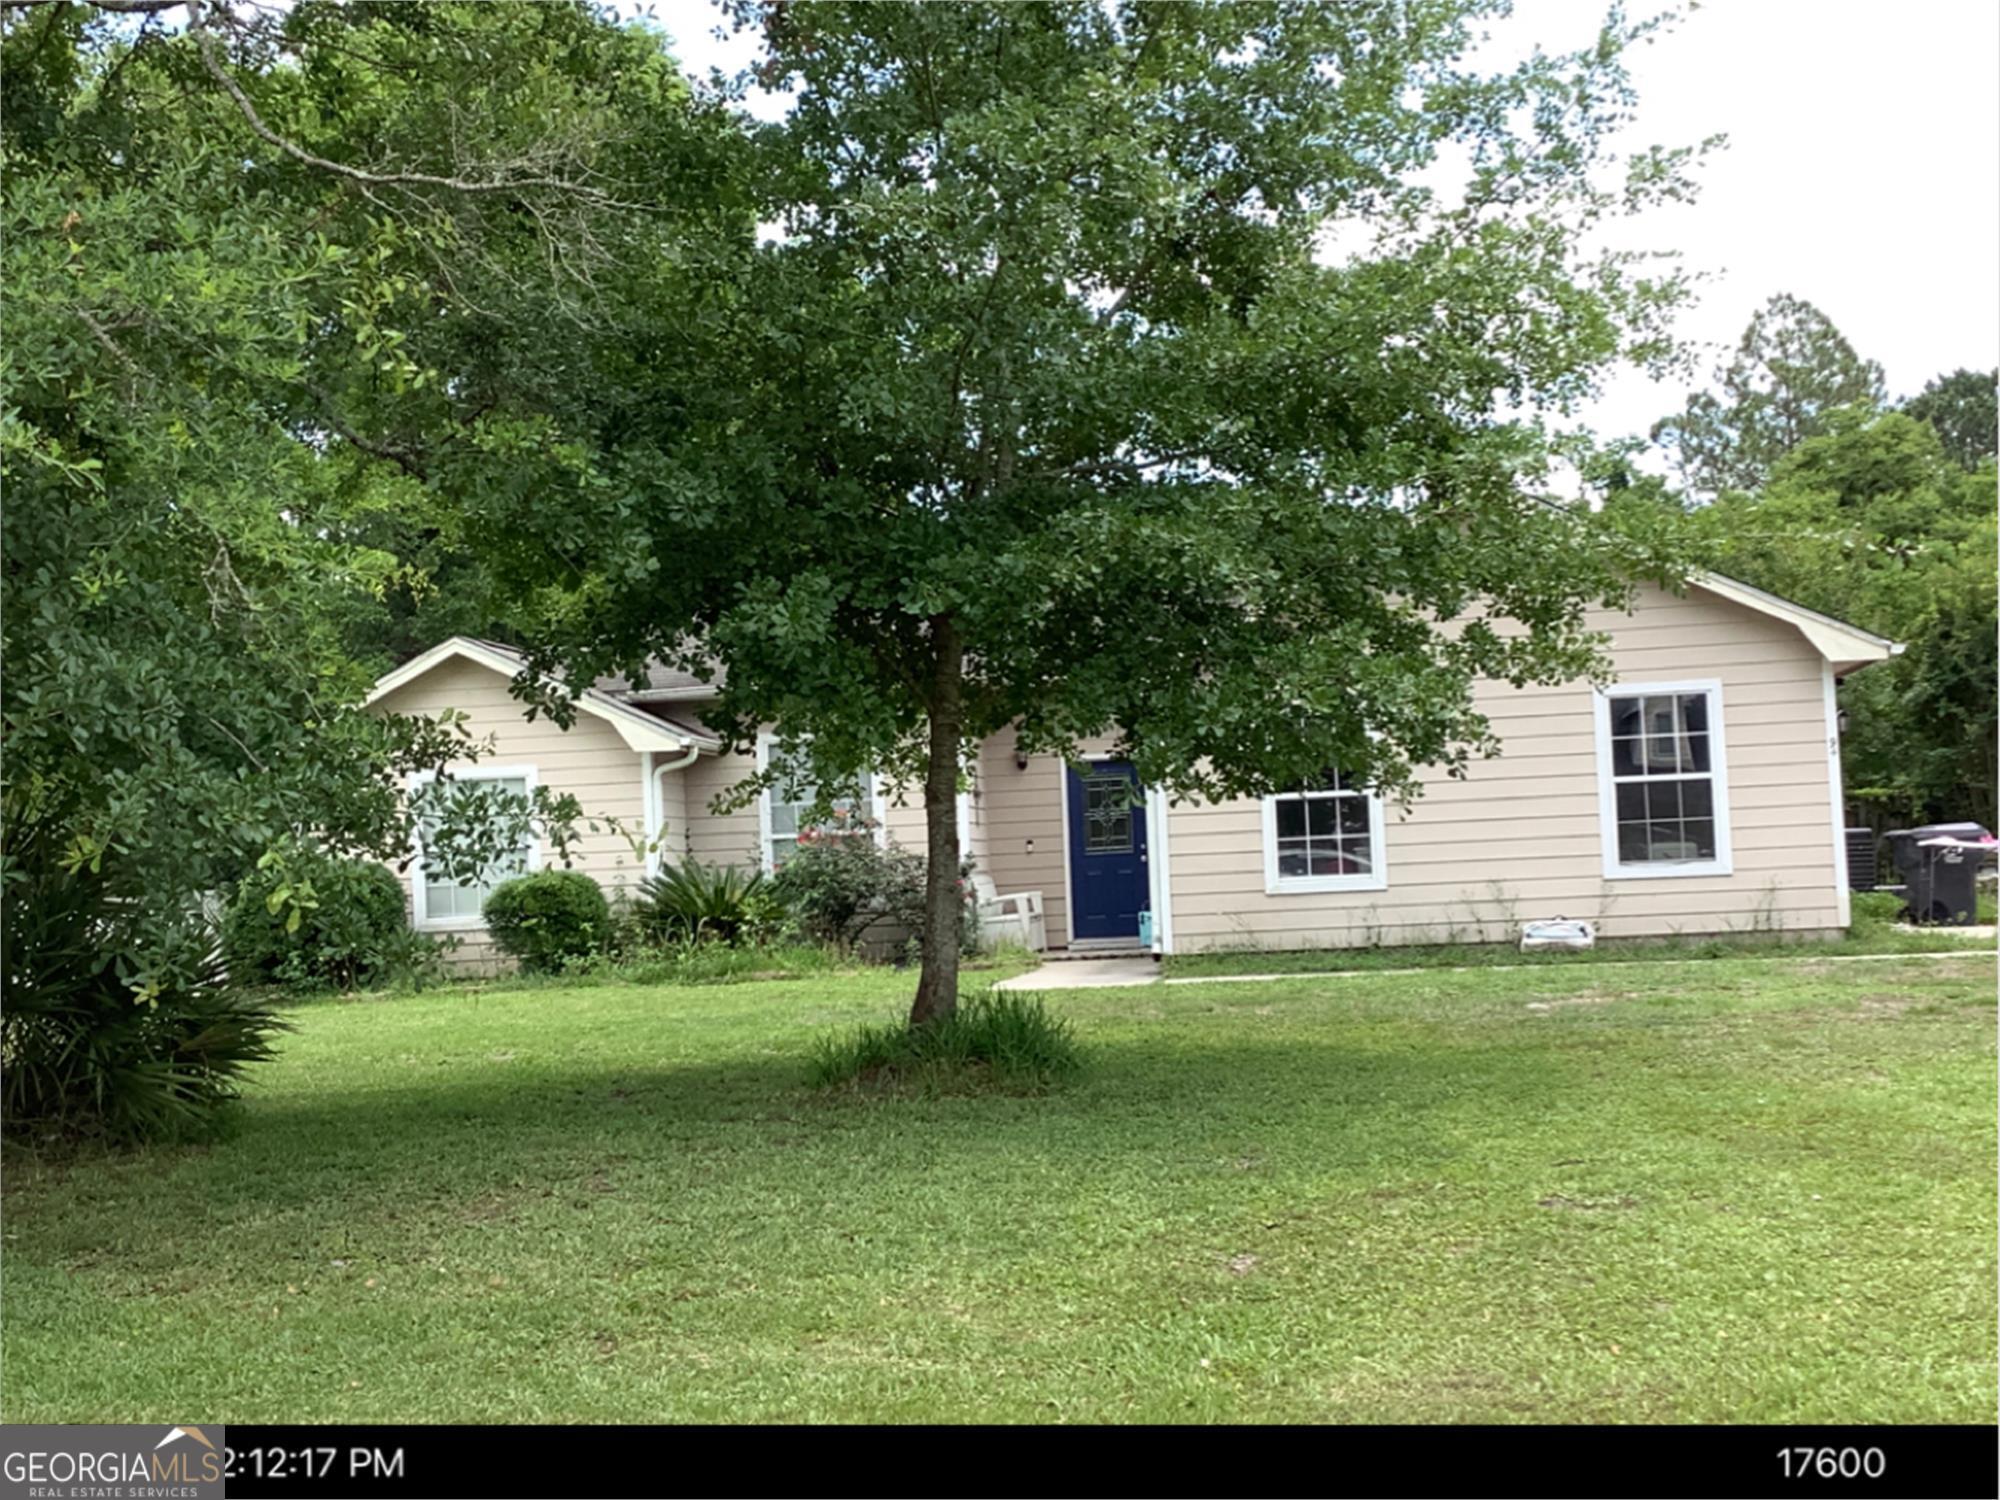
1791, 371
1044, 403
1872, 522
1964, 410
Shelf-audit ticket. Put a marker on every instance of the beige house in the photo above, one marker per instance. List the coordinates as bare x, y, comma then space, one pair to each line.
1697, 793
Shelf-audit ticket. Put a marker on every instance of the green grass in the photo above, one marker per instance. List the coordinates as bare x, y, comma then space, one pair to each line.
993, 1040
1872, 933
1720, 1192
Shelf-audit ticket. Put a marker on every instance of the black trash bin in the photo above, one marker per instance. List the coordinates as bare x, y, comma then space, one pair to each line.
1939, 864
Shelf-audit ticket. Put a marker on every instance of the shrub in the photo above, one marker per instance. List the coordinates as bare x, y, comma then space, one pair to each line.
694, 900
1008, 1040
839, 887
547, 919
85, 1047
1873, 910
307, 918
694, 962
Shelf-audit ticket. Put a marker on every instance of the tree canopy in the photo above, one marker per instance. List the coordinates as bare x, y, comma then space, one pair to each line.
1871, 522
1963, 408
1099, 370
220, 230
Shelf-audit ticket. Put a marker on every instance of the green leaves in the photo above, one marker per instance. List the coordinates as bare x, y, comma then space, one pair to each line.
1049, 346
1871, 522
1790, 374
215, 409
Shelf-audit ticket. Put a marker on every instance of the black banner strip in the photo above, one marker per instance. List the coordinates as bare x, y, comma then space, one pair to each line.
501, 1463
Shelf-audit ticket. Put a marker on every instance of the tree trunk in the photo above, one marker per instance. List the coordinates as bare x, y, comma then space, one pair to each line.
937, 986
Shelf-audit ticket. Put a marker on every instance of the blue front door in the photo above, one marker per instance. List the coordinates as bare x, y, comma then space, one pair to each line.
1107, 851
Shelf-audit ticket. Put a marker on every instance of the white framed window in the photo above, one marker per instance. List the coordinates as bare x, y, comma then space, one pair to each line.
441, 904
1324, 837
1662, 779
784, 808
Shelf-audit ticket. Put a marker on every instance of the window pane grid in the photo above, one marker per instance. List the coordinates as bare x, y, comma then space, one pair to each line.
1107, 815
789, 802
1325, 832
1663, 780
453, 901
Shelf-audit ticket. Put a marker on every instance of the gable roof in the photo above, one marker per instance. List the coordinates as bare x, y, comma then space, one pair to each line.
639, 729
1847, 647
662, 684
616, 699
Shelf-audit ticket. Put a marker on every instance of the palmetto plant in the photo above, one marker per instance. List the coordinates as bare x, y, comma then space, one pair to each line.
82, 1049
693, 901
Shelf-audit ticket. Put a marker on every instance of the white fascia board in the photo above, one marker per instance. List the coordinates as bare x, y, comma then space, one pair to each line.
1846, 646
639, 730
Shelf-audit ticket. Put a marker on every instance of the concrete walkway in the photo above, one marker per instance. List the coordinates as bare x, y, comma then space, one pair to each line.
1086, 974
1109, 973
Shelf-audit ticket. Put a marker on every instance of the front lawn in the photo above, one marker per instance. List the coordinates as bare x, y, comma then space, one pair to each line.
1721, 1192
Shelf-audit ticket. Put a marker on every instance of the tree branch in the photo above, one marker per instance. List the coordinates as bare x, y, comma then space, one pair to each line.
116, 7
133, 373
205, 41
402, 458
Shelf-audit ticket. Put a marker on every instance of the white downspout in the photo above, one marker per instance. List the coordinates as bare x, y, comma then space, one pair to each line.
656, 802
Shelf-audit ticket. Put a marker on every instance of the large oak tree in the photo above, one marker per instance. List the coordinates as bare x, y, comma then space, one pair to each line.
1178, 373
1169, 372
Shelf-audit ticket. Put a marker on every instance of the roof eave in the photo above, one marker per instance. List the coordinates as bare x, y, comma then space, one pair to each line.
1848, 648
694, 694
638, 729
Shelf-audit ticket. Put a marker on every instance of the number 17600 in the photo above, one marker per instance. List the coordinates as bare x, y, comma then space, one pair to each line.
1833, 1463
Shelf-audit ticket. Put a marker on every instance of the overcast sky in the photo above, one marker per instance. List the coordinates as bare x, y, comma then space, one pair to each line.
1863, 171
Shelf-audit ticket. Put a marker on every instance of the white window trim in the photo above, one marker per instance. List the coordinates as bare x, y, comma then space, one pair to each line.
1718, 776
419, 917
1161, 873
1377, 878
765, 744
1836, 796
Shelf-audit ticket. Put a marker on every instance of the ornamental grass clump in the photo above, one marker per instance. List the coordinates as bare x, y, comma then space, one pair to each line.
1010, 1043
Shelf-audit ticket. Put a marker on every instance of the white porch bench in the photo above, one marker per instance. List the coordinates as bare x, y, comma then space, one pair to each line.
1015, 917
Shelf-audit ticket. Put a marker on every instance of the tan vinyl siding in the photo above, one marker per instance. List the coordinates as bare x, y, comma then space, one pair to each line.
588, 761
673, 809
1520, 836
736, 838
726, 838
1023, 806
902, 815
1020, 807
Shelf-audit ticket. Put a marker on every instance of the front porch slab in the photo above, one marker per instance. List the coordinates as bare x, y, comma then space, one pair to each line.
1086, 974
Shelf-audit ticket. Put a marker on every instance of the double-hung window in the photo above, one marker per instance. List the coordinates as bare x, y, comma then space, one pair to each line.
437, 900
1327, 836
786, 808
1663, 790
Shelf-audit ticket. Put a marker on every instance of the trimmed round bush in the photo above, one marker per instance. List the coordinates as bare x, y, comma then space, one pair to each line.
315, 919
544, 920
